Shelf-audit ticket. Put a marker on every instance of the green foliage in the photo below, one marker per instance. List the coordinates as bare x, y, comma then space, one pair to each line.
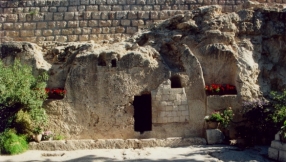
20, 90
259, 126
227, 116
58, 137
18, 85
283, 131
223, 117
11, 143
278, 101
214, 117
39, 117
37, 130
23, 122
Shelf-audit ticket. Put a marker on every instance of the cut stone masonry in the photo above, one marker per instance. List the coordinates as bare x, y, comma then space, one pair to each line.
85, 20
169, 105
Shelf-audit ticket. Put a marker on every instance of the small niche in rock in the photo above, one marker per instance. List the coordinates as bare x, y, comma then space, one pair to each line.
142, 40
101, 60
176, 82
55, 93
142, 113
113, 63
220, 89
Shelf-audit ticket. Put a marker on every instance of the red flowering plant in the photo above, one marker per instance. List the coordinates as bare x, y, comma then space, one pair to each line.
220, 89
56, 93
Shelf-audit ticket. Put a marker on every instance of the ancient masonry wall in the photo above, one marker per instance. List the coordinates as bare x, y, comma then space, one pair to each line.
84, 20
169, 105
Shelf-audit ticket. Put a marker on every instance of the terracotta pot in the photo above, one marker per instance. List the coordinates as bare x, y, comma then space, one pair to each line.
38, 137
213, 125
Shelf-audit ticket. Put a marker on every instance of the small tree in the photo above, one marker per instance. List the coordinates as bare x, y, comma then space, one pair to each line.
20, 90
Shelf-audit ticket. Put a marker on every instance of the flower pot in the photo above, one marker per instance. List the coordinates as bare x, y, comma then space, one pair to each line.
38, 137
213, 125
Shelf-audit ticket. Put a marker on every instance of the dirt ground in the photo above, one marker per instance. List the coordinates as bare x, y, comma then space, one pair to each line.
204, 153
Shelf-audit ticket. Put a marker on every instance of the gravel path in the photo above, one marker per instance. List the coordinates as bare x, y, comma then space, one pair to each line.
204, 153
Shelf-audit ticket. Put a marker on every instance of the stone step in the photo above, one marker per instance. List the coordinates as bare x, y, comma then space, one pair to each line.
68, 145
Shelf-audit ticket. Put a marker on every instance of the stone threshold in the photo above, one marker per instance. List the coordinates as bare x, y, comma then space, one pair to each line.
69, 145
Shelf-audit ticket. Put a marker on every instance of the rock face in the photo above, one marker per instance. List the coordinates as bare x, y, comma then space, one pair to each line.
152, 85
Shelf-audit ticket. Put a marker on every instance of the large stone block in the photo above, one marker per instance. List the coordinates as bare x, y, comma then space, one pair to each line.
282, 156
214, 136
276, 144
273, 153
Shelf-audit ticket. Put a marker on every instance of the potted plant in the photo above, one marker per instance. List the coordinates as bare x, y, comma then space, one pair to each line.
214, 120
220, 118
37, 134
48, 135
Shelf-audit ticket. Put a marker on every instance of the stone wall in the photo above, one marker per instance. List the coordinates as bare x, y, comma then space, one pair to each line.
84, 20
277, 150
169, 105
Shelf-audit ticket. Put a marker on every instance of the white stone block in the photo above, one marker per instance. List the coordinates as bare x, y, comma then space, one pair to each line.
174, 113
185, 102
162, 114
282, 156
177, 102
277, 136
165, 120
175, 108
178, 96
182, 108
170, 103
186, 112
176, 119
273, 153
186, 119
169, 108
172, 97
214, 136
276, 144
165, 97
164, 103
166, 91
283, 146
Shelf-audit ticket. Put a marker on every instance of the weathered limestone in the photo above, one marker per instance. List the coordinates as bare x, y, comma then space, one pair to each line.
114, 144
201, 47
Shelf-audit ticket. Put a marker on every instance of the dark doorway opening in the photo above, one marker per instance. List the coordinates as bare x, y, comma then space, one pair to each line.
101, 60
113, 63
176, 82
142, 113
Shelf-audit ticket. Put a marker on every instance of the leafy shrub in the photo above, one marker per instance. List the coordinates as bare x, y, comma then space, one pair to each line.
58, 137
20, 90
278, 101
227, 116
214, 117
223, 117
23, 122
258, 126
11, 143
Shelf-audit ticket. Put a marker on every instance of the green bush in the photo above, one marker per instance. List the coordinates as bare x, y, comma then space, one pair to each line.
58, 137
278, 100
11, 143
23, 122
20, 90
